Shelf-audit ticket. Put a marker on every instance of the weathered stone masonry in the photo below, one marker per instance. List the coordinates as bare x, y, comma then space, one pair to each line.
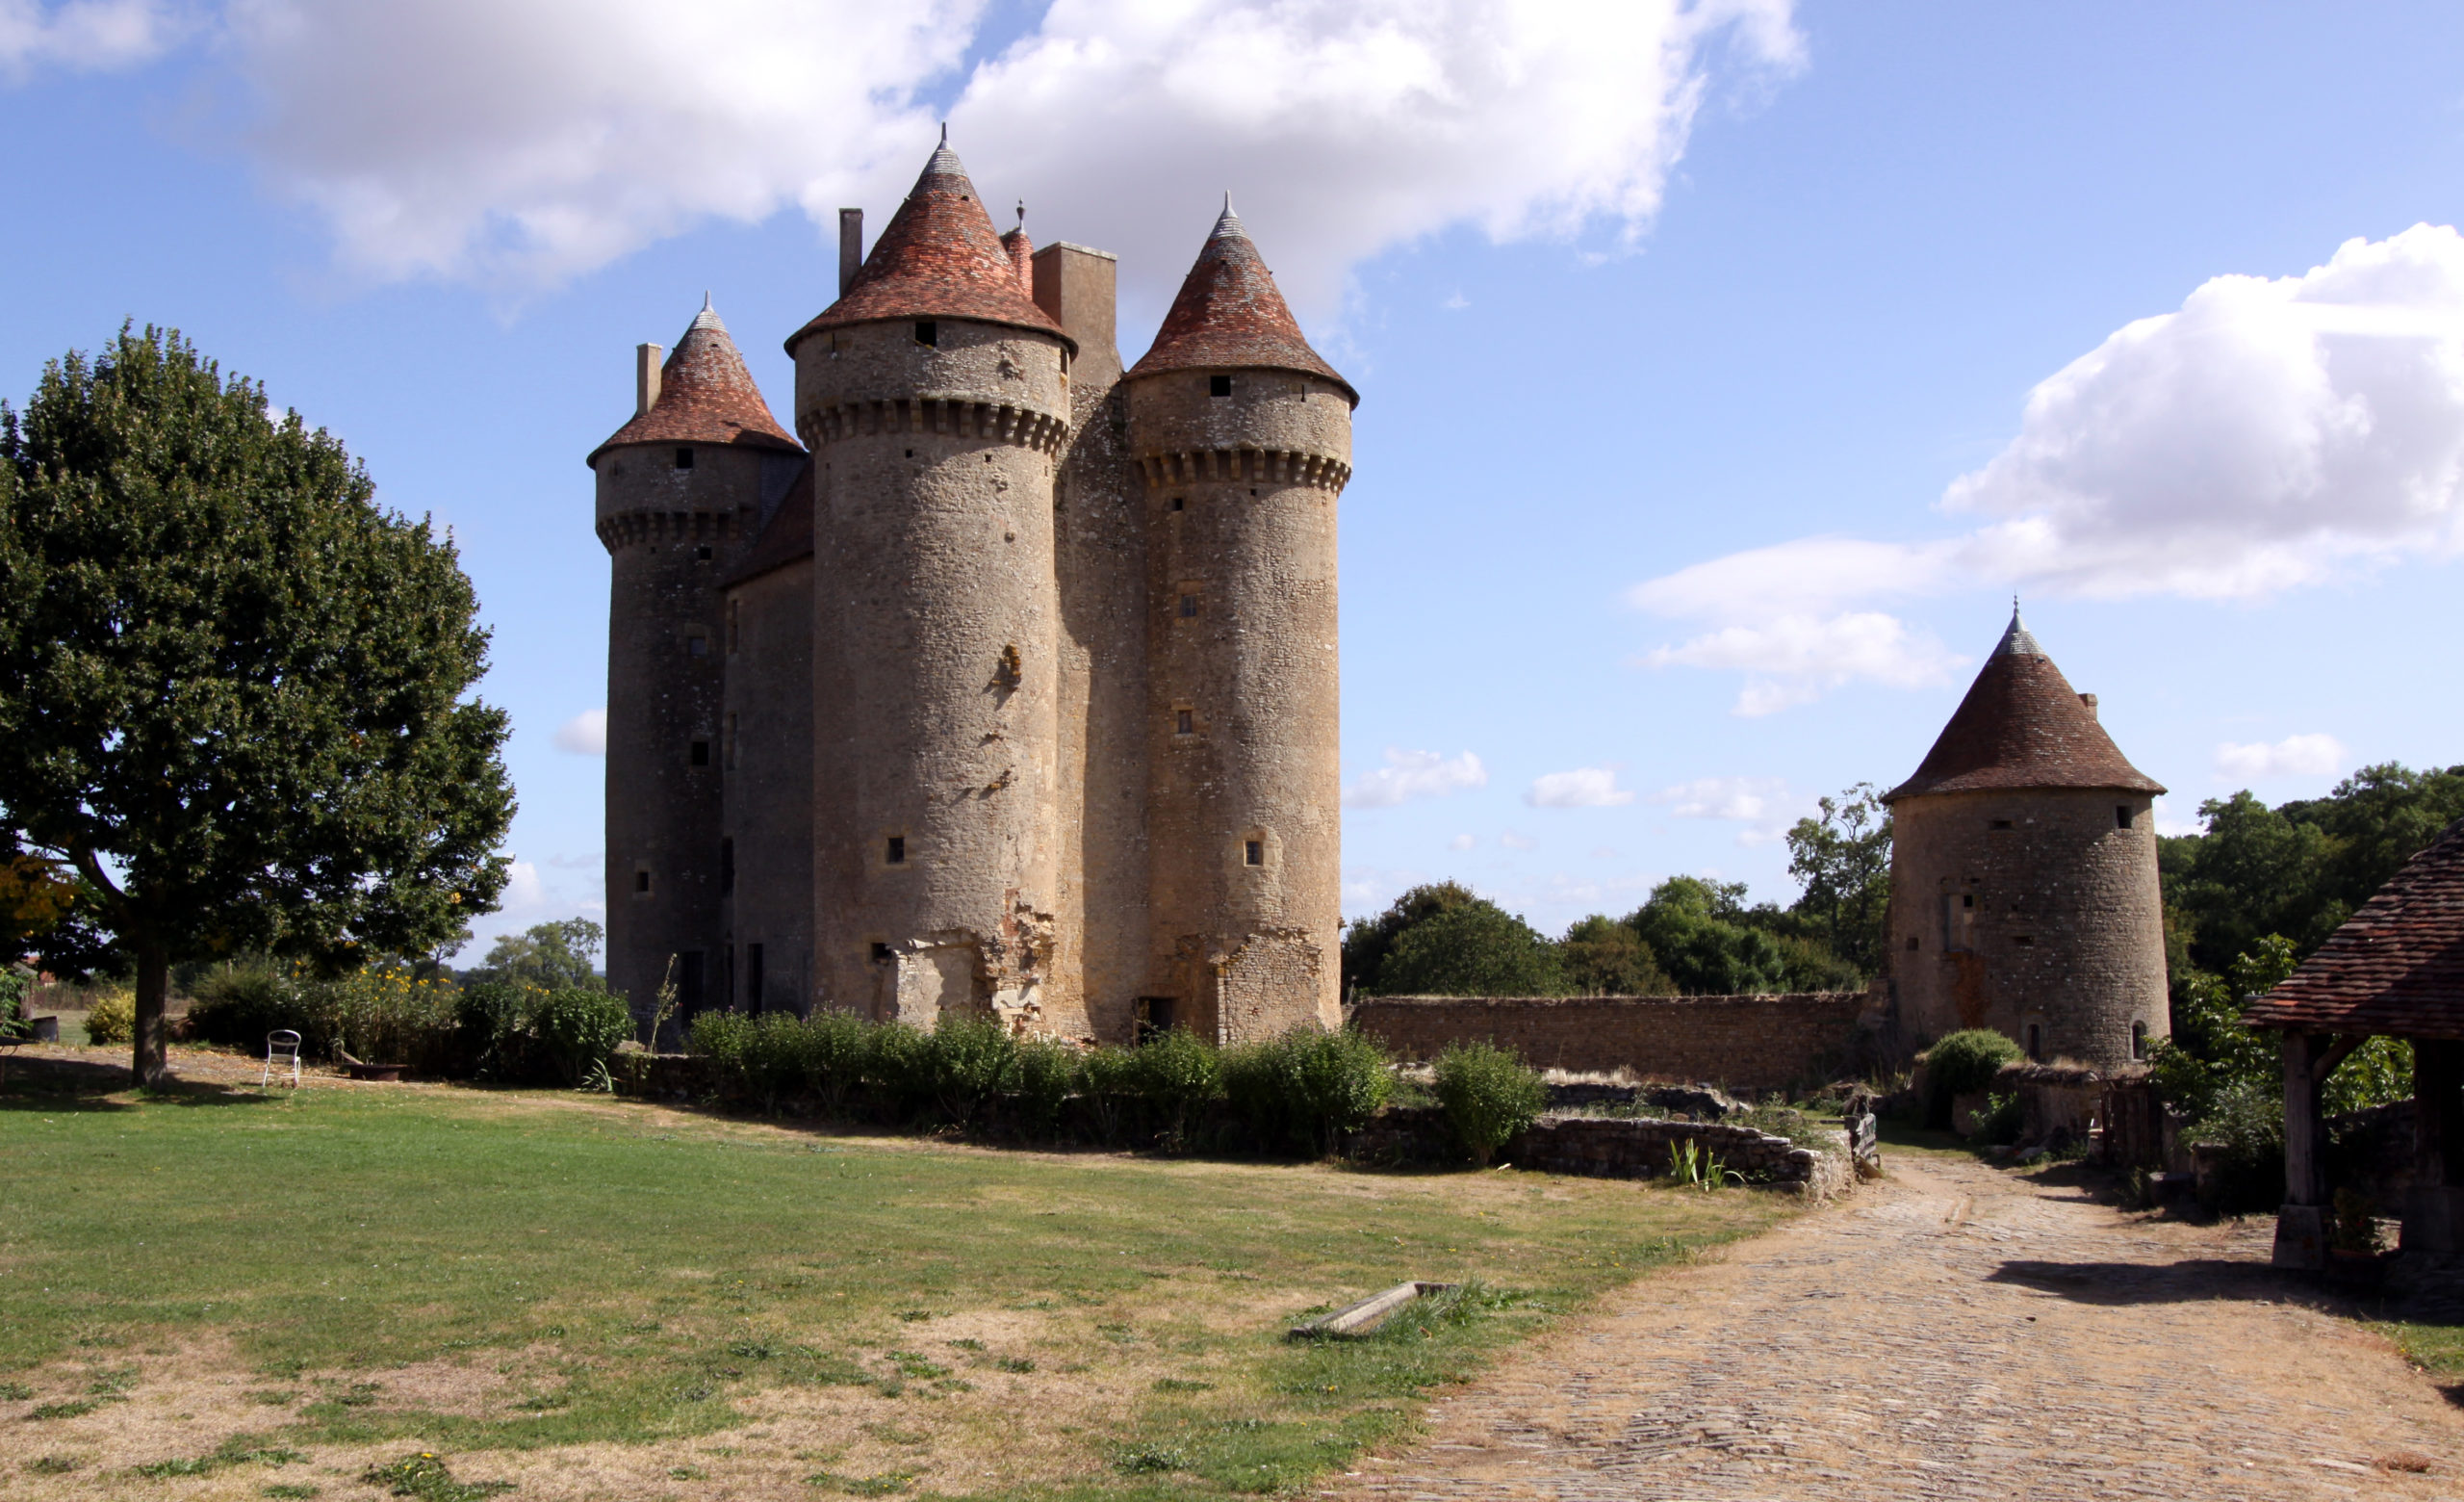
1744, 1043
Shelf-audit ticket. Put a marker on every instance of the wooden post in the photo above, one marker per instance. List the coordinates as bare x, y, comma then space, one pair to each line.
2301, 1222
2434, 1209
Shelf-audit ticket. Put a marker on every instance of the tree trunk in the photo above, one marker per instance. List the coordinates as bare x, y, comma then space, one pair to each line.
153, 985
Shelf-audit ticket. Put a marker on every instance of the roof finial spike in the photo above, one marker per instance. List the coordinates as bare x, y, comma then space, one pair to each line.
1022, 213
1227, 200
705, 303
945, 133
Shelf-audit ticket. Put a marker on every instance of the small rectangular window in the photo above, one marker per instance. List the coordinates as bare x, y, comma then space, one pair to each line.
1189, 607
1180, 502
726, 865
1912, 943
736, 625
894, 852
683, 458
702, 554
641, 881
1967, 899
2000, 823
696, 645
1254, 851
881, 954
2024, 941
699, 754
2121, 815
927, 332
1184, 722
1218, 385
753, 977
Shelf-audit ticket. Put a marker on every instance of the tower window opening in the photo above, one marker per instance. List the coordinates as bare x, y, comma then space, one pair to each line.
698, 753
1254, 851
1189, 607
683, 458
2036, 1043
2139, 1039
2121, 815
696, 645
702, 554
927, 332
1967, 899
894, 850
1912, 943
1184, 722
2000, 823
726, 865
736, 624
642, 881
1180, 502
880, 953
1154, 1018
753, 977
2024, 941
1218, 385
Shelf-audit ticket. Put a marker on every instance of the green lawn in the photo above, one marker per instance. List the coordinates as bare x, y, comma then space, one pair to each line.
591, 1298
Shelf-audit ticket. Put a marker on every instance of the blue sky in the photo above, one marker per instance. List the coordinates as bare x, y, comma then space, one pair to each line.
1724, 369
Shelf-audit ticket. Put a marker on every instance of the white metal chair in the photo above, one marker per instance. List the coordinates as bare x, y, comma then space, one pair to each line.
282, 1050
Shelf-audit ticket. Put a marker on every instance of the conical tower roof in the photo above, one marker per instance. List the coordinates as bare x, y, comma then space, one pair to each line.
1229, 315
938, 258
2022, 725
705, 395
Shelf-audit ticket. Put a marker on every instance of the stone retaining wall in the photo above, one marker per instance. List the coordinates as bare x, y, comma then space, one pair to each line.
1608, 1147
1744, 1043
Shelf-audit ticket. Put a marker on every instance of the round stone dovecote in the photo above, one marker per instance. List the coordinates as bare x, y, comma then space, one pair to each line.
2024, 893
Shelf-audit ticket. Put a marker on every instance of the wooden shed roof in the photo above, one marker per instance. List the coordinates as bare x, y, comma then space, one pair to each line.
2395, 969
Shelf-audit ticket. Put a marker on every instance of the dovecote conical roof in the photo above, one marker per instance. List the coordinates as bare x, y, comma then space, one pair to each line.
2022, 725
1230, 315
939, 257
705, 395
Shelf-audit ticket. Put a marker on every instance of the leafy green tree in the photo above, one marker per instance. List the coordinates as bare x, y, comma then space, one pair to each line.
231, 686
552, 956
1843, 860
1475, 950
2211, 1056
1601, 957
1698, 932
1366, 942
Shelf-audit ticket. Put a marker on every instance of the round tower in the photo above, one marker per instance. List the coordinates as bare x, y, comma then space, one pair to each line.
934, 394
681, 488
1243, 436
2023, 873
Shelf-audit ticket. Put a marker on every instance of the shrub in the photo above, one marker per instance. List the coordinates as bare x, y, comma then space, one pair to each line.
1040, 1074
898, 1065
498, 1041
2246, 1121
969, 1061
1489, 1095
2001, 1121
1176, 1074
579, 1028
387, 1016
1301, 1092
112, 1017
16, 983
1108, 1079
721, 1037
836, 1047
1961, 1063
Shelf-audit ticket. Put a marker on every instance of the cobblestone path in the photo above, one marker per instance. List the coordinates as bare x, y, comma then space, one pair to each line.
1952, 1332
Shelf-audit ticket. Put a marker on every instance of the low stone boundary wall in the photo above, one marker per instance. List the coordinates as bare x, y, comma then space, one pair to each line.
1614, 1146
1744, 1043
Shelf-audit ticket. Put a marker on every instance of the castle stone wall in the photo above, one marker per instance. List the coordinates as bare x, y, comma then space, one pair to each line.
2026, 910
1243, 700
937, 665
1743, 1043
766, 752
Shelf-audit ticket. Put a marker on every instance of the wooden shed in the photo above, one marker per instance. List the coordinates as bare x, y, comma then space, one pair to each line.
2395, 969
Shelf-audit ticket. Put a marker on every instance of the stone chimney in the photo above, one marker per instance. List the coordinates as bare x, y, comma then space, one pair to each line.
2089, 700
851, 247
1022, 253
646, 377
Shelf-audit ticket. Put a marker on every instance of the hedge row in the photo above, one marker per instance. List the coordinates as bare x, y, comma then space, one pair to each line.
495, 1030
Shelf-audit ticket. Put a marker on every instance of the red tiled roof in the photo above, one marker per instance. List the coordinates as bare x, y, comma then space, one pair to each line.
1230, 316
705, 395
2394, 967
2022, 725
938, 258
788, 536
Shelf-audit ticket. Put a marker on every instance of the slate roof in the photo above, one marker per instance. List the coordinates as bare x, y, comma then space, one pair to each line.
1230, 316
705, 395
938, 258
2395, 967
2022, 725
788, 536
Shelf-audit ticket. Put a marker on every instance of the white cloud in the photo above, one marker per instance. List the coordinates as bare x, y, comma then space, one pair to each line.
83, 33
1583, 787
2269, 435
1514, 839
524, 892
2295, 756
2169, 826
1414, 774
524, 142
1796, 659
1724, 797
584, 735
1461, 843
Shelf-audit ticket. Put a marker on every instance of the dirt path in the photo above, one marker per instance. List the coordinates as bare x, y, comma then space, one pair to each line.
1954, 1332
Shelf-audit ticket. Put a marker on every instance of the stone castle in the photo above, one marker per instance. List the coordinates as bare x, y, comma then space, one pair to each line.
1007, 684
2023, 873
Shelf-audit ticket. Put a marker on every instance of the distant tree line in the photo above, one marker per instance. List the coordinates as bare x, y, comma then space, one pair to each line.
1692, 935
